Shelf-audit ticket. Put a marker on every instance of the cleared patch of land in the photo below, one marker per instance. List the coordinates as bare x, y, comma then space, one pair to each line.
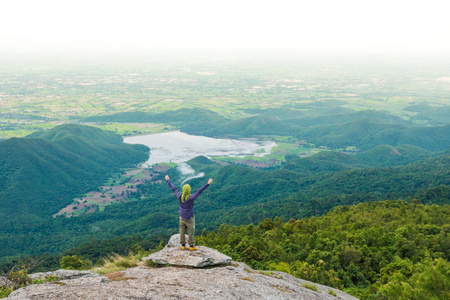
121, 187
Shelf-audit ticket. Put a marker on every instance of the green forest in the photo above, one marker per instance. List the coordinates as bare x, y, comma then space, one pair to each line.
362, 204
302, 187
73, 159
379, 249
374, 250
390, 249
40, 172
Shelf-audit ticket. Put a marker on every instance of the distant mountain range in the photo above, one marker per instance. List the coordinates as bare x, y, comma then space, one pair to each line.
334, 127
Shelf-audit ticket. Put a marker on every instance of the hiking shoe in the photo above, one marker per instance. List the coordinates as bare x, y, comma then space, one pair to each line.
192, 248
183, 247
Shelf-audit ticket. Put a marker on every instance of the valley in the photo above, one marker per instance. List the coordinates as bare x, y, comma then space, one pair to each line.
343, 143
41, 95
125, 186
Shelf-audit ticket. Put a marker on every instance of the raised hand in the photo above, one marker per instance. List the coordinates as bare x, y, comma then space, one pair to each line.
210, 181
167, 177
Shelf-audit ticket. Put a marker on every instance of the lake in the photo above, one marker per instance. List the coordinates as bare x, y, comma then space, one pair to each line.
179, 147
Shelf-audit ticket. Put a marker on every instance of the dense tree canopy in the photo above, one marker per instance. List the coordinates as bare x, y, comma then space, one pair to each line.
374, 250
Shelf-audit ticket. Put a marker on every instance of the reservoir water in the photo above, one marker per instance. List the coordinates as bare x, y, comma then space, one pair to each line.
179, 147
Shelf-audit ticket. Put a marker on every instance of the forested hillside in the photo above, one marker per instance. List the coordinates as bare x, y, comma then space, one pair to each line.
400, 161
374, 250
192, 120
241, 195
42, 173
45, 171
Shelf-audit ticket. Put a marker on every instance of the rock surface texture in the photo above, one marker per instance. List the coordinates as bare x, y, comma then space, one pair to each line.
235, 281
228, 280
4, 281
64, 274
173, 255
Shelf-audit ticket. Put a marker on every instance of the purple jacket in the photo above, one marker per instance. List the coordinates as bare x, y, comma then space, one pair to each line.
187, 207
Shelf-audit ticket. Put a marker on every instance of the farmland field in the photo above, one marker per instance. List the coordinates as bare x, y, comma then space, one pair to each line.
121, 187
43, 94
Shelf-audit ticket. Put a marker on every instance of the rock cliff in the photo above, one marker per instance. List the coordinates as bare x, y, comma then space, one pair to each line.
172, 279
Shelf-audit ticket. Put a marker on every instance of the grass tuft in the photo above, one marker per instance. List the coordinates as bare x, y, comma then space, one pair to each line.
279, 288
246, 278
310, 286
267, 273
116, 262
150, 263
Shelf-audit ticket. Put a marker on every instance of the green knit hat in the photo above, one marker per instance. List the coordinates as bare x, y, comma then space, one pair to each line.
186, 192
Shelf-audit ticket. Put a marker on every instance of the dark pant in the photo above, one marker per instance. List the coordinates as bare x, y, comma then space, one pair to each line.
190, 225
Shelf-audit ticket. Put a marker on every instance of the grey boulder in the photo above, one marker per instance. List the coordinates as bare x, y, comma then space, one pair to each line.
172, 255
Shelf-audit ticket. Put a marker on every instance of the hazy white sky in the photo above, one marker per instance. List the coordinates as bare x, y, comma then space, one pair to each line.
306, 26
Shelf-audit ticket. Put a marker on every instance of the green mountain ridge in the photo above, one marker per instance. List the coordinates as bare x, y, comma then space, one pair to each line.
438, 114
365, 134
183, 116
249, 126
243, 196
86, 132
45, 171
247, 195
335, 127
378, 117
240, 195
386, 155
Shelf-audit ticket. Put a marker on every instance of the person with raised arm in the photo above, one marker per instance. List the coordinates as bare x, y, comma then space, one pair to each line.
187, 218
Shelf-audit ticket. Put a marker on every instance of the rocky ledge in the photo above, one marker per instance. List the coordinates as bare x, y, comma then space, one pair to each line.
172, 279
172, 255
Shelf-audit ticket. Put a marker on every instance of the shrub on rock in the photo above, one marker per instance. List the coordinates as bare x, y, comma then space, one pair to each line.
71, 263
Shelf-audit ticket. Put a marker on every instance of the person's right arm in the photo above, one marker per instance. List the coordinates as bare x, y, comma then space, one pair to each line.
174, 189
